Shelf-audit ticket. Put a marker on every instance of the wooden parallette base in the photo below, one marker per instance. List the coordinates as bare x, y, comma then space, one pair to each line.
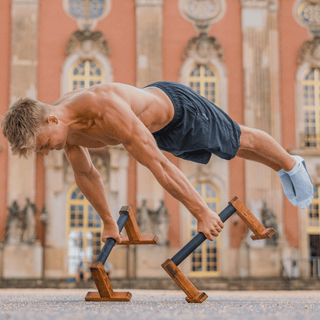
260, 232
105, 291
116, 296
133, 231
193, 295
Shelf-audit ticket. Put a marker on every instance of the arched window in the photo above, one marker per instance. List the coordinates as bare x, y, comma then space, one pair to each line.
203, 79
84, 229
311, 109
205, 259
85, 73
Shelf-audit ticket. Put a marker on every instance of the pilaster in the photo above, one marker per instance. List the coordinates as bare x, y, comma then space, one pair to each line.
262, 95
23, 82
149, 41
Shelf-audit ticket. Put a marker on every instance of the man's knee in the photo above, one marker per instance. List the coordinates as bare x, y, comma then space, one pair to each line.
249, 137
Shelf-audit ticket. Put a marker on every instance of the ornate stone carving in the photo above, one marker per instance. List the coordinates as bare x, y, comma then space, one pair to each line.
202, 13
310, 53
202, 49
154, 221
87, 44
307, 13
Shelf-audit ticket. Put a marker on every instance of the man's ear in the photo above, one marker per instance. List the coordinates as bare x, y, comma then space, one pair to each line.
52, 119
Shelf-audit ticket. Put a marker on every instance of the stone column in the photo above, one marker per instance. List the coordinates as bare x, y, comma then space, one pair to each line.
262, 96
23, 83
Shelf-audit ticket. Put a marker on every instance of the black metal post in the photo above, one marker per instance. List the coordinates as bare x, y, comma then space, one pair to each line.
104, 254
196, 241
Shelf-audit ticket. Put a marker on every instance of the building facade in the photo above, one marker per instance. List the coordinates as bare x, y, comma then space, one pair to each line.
258, 60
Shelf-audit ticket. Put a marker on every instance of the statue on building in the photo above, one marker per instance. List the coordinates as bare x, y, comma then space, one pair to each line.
154, 221
13, 225
143, 219
21, 224
28, 222
162, 224
269, 220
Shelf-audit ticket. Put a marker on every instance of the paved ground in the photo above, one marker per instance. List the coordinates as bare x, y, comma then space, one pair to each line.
150, 304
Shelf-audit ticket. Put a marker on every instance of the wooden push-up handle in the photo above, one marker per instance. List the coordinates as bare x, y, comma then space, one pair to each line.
171, 265
99, 275
133, 232
260, 232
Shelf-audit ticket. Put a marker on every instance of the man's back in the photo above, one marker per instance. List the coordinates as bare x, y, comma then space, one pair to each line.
90, 109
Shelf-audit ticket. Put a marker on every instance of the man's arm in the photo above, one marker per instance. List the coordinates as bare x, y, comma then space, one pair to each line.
139, 142
90, 183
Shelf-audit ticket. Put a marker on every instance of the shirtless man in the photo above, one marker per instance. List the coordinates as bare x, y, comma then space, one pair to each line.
164, 115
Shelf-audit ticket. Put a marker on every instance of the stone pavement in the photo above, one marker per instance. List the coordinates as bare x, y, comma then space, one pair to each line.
151, 304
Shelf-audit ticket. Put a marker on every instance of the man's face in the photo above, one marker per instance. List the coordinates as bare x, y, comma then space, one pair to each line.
51, 137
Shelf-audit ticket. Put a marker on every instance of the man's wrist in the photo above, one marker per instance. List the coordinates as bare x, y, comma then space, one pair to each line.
200, 214
108, 221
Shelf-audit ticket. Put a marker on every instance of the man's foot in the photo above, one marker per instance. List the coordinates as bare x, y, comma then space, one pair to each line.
302, 184
288, 187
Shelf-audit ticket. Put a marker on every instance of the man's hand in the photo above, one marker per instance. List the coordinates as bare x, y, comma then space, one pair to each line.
210, 225
110, 230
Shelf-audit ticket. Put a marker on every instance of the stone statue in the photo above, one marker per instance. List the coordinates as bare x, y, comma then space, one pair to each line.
162, 224
13, 225
143, 219
21, 224
29, 223
269, 220
154, 222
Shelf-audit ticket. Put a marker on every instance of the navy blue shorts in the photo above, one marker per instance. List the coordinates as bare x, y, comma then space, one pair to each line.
198, 128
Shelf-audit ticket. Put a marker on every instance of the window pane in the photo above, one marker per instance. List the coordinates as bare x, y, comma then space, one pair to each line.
96, 8
94, 220
86, 74
75, 251
76, 216
203, 80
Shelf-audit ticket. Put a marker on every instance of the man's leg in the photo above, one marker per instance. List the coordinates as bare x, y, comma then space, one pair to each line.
258, 146
250, 155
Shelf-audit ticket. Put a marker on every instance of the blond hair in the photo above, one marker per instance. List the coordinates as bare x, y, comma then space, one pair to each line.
21, 125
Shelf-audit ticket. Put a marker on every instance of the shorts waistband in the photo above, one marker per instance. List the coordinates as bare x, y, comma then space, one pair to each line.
168, 88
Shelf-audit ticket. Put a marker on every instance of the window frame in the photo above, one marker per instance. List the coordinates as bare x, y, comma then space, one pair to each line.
86, 77
315, 201
191, 227
202, 79
85, 203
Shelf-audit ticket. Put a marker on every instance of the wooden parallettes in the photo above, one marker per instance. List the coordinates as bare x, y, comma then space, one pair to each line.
171, 265
99, 275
